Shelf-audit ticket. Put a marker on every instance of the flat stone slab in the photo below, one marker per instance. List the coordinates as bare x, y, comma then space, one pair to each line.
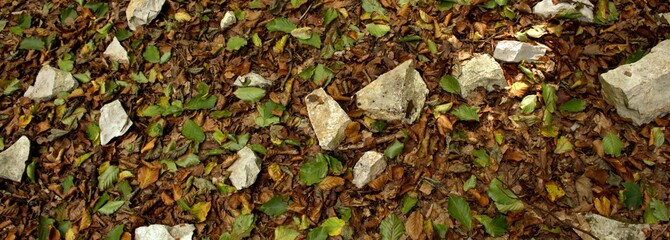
547, 8
328, 119
368, 167
163, 232
13, 159
245, 169
639, 90
607, 229
49, 82
398, 94
141, 12
480, 71
252, 80
113, 122
116, 52
515, 51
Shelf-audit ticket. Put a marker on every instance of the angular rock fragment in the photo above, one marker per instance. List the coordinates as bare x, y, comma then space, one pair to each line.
665, 17
398, 94
252, 80
228, 20
327, 117
163, 232
49, 82
515, 51
245, 169
13, 160
547, 8
113, 122
480, 71
639, 90
607, 229
141, 12
368, 167
116, 52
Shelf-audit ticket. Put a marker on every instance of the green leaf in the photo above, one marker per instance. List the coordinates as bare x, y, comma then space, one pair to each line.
165, 57
197, 103
612, 144
100, 9
528, 104
280, 24
573, 105
10, 86
298, 3
329, 15
237, 142
495, 227
313, 171
67, 16
322, 75
334, 164
466, 113
563, 145
441, 230
3, 24
115, 233
377, 30
432, 47
459, 209
394, 149
314, 40
318, 233
371, 6
32, 43
450, 84
482, 158
657, 136
275, 207
188, 161
286, 233
151, 54
151, 111
24, 21
67, 183
101, 201
45, 226
250, 94
414, 38
302, 33
265, 117
111, 207
333, 226
108, 177
123, 34
409, 201
242, 226
93, 132
632, 195
504, 199
549, 97
659, 210
391, 228
192, 131
235, 43
470, 183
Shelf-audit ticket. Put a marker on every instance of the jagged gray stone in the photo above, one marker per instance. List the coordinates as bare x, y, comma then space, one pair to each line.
252, 80
607, 229
141, 12
547, 8
640, 90
116, 52
368, 167
328, 119
13, 159
245, 169
480, 71
515, 51
49, 82
163, 232
113, 122
398, 94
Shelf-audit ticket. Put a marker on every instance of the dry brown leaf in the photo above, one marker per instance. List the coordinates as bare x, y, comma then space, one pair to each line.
149, 146
481, 199
414, 225
518, 89
444, 124
331, 182
147, 176
378, 183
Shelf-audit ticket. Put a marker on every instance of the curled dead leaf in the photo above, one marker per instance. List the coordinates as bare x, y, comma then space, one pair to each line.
444, 124
331, 182
378, 183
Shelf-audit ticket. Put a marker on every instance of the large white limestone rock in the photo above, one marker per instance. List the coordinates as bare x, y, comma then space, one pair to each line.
228, 20
398, 94
49, 82
547, 8
368, 167
245, 169
607, 229
113, 122
640, 90
480, 71
141, 12
252, 80
13, 160
116, 52
328, 119
515, 51
162, 232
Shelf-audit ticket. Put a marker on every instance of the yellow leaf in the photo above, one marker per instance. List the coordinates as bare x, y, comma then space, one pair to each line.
200, 210
85, 221
125, 174
555, 191
275, 172
279, 45
182, 17
24, 120
518, 89
602, 204
333, 226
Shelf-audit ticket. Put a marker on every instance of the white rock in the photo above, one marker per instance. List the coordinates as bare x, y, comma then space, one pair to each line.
547, 8
515, 51
228, 20
368, 168
114, 121
666, 17
480, 71
141, 12
116, 52
328, 119
607, 229
398, 94
13, 160
162, 232
640, 90
49, 82
245, 169
252, 80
